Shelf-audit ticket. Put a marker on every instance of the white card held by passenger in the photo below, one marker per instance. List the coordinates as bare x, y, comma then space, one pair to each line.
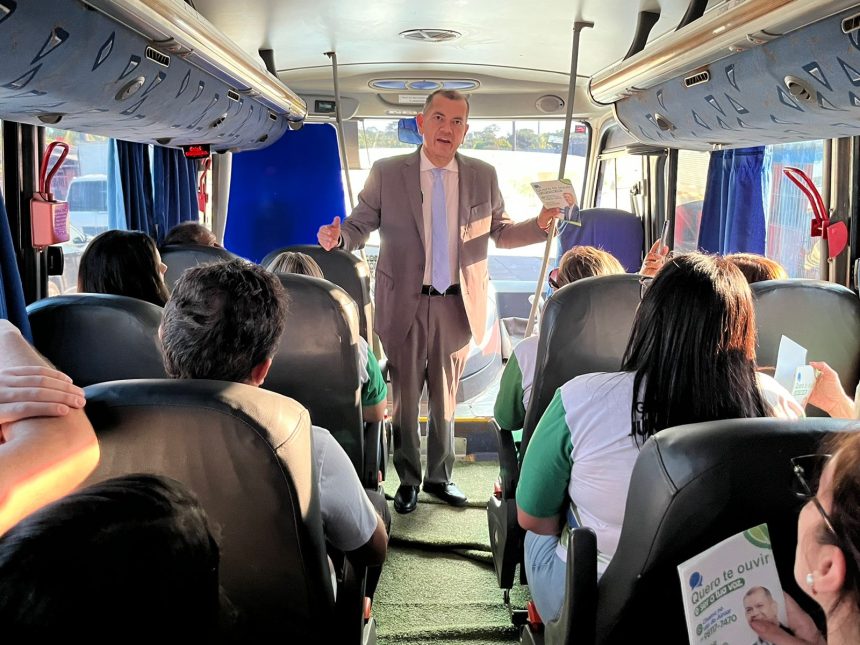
556, 193
791, 355
804, 381
731, 587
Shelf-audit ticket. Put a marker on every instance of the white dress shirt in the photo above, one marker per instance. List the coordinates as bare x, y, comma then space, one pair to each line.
451, 181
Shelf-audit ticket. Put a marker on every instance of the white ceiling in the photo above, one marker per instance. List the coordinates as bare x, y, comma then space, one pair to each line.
510, 46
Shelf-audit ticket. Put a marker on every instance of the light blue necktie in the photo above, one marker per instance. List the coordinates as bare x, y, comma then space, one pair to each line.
440, 270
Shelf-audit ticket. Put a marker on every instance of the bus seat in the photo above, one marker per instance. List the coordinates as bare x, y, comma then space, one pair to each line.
179, 257
615, 231
246, 454
692, 487
317, 365
822, 316
96, 337
584, 328
347, 271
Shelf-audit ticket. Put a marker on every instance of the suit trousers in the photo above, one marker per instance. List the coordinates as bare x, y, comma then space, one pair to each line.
434, 351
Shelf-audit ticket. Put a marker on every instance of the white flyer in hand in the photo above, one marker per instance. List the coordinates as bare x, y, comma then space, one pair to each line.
731, 587
789, 358
556, 193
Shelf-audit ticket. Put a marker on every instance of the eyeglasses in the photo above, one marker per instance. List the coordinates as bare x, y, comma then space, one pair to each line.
807, 473
552, 278
644, 283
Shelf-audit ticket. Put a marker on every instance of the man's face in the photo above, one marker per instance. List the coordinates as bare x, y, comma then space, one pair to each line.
568, 197
757, 606
444, 127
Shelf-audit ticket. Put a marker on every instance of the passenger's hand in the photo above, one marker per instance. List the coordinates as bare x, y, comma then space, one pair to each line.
545, 216
805, 631
329, 235
655, 259
33, 391
827, 393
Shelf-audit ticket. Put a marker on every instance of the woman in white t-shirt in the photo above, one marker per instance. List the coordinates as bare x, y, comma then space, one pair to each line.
690, 358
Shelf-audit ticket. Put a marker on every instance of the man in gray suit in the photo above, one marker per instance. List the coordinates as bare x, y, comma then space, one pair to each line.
436, 212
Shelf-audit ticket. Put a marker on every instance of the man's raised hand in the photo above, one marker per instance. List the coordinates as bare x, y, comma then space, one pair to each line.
329, 235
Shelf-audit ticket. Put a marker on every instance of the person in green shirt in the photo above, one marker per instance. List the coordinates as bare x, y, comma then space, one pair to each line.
517, 378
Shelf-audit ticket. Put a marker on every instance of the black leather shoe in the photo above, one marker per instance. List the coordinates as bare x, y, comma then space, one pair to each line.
406, 499
448, 493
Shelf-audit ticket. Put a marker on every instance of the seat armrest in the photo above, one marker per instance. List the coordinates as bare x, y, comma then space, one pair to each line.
578, 618
372, 454
509, 469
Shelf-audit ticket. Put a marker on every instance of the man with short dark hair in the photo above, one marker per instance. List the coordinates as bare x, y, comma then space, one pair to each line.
760, 608
436, 212
190, 233
224, 321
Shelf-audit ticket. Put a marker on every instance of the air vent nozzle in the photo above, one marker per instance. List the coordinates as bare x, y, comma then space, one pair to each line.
798, 89
697, 79
157, 57
233, 95
430, 35
851, 23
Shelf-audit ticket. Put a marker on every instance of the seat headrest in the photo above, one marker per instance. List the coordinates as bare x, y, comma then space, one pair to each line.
344, 269
822, 316
692, 487
584, 328
246, 454
96, 337
616, 231
179, 257
317, 359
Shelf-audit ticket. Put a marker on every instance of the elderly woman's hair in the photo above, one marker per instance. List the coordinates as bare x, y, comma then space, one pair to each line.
295, 262
586, 262
123, 263
757, 268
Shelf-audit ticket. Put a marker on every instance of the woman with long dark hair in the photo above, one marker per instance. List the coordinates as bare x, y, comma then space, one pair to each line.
690, 358
124, 263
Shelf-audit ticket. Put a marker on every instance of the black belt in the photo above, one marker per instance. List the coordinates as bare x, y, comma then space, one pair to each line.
429, 290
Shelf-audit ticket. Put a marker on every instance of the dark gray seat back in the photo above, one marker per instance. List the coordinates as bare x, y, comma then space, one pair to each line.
822, 316
247, 455
347, 271
584, 328
179, 257
692, 487
317, 360
96, 337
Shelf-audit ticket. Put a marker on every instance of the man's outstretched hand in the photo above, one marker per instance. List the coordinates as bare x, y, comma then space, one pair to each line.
329, 235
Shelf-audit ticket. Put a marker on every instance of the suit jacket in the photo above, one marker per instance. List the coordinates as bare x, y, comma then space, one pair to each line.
391, 202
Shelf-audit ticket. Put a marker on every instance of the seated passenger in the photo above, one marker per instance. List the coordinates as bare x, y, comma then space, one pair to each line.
373, 388
690, 358
47, 445
190, 233
224, 321
515, 389
757, 268
128, 558
123, 263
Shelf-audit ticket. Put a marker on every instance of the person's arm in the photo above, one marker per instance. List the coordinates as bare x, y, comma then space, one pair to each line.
47, 445
545, 474
509, 411
828, 395
509, 234
365, 217
655, 259
374, 391
350, 522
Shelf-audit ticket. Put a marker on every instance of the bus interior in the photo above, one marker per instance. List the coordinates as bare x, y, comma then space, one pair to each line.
262, 120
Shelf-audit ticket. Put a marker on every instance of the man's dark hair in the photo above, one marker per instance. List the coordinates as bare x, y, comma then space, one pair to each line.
189, 233
452, 95
129, 556
221, 321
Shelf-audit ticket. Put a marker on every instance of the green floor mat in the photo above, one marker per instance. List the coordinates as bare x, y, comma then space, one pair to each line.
427, 597
475, 479
438, 526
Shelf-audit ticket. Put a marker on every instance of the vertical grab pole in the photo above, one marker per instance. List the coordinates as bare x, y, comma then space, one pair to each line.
571, 91
341, 142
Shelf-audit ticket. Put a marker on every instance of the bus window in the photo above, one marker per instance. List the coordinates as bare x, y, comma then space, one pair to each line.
788, 215
617, 181
520, 151
81, 181
689, 196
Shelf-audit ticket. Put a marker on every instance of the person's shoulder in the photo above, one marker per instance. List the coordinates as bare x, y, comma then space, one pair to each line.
397, 161
478, 165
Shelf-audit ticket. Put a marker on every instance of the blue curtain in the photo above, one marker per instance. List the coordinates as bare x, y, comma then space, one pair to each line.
12, 305
136, 180
175, 189
733, 210
115, 205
